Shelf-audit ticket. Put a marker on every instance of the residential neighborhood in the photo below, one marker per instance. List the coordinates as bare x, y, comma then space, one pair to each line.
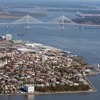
32, 68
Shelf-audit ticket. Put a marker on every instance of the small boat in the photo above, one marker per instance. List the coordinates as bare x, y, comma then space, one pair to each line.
20, 34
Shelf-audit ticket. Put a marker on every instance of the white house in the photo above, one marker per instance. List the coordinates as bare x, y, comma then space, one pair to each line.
29, 88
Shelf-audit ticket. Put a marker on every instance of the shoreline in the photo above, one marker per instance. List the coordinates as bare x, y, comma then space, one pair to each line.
91, 90
43, 93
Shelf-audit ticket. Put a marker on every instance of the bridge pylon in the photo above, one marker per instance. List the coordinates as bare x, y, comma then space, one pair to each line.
62, 23
27, 22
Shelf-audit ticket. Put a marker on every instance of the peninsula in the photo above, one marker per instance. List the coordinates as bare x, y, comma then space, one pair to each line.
28, 68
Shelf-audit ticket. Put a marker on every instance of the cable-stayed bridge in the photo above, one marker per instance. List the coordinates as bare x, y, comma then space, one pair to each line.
26, 20
61, 20
30, 20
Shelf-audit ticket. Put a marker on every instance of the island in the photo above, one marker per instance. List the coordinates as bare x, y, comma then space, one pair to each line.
34, 68
88, 20
6, 15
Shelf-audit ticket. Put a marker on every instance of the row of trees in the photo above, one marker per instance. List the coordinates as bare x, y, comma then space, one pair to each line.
61, 88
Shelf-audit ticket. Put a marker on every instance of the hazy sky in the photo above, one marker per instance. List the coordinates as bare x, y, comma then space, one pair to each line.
51, 0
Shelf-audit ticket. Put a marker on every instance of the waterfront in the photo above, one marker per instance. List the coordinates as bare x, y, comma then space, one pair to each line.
80, 96
85, 43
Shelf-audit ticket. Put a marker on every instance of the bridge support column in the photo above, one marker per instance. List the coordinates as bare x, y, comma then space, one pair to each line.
62, 26
27, 22
27, 26
62, 23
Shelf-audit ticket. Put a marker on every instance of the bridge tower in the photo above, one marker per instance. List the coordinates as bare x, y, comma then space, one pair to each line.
27, 22
62, 23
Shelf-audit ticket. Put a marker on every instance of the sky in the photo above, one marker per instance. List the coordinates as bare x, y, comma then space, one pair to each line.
50, 0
